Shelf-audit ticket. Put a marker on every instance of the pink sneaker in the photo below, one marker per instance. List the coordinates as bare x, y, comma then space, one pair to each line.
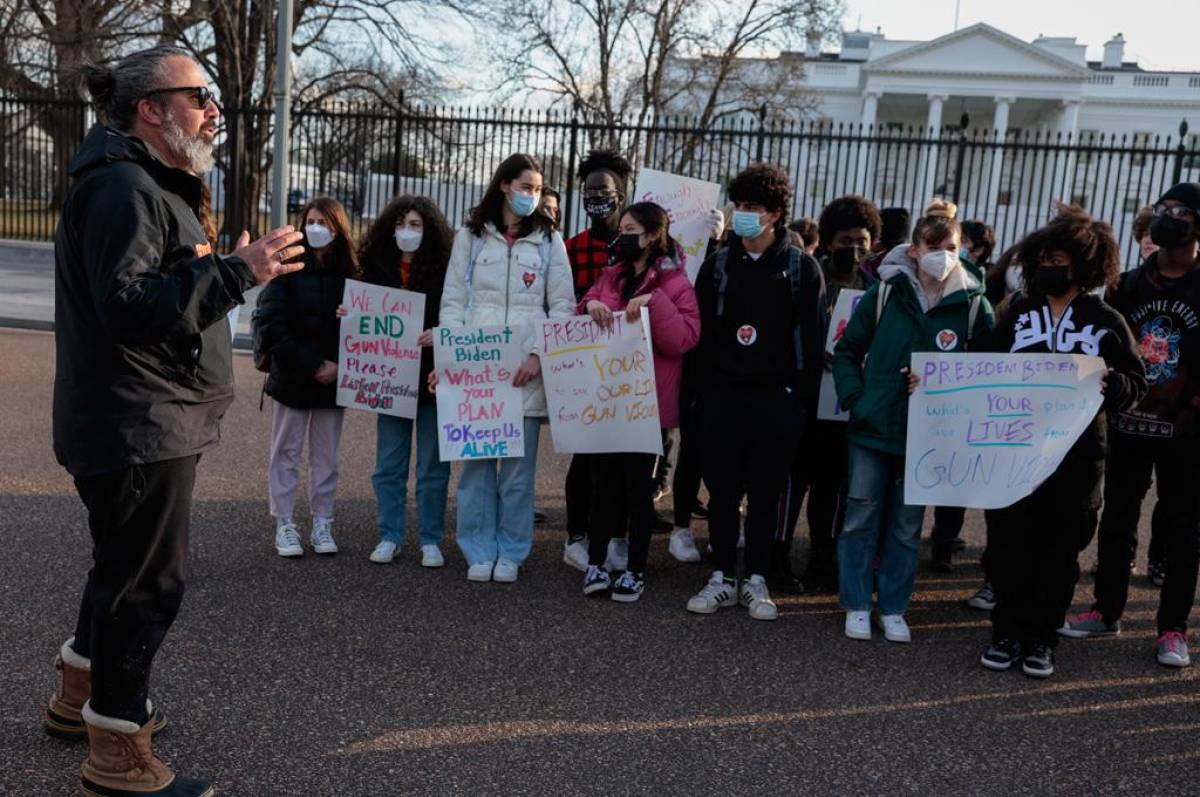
1090, 623
1173, 650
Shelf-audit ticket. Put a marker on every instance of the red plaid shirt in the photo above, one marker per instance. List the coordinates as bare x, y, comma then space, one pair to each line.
589, 256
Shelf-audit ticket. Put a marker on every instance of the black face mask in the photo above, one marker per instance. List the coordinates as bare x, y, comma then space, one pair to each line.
628, 248
1168, 232
599, 207
1052, 280
843, 259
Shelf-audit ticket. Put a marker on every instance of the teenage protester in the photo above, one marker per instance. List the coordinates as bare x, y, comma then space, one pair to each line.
408, 247
849, 225
1003, 277
895, 224
761, 304
1035, 543
507, 266
808, 232
604, 177
1160, 301
550, 206
979, 242
143, 375
297, 331
646, 275
925, 301
1141, 233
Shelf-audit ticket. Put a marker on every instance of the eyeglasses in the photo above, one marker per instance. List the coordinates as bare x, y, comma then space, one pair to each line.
1174, 212
201, 95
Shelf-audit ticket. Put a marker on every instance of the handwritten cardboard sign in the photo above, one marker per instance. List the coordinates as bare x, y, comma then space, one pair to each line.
828, 408
688, 203
984, 430
379, 362
600, 388
480, 413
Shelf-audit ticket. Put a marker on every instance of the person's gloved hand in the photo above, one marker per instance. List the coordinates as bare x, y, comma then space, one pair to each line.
714, 224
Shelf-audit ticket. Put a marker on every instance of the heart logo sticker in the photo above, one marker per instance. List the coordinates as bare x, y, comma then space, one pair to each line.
947, 339
747, 334
528, 278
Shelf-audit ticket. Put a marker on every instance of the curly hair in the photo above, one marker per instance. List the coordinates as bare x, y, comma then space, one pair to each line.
609, 161
806, 229
983, 236
1090, 243
379, 253
762, 184
846, 213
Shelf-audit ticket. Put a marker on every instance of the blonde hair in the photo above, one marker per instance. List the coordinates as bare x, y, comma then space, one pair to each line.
940, 208
937, 223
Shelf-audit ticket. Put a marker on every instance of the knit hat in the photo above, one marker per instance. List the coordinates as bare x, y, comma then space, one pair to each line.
1186, 193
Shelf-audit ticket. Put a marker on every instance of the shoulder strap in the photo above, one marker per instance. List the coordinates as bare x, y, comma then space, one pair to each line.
721, 278
794, 259
972, 314
881, 300
544, 250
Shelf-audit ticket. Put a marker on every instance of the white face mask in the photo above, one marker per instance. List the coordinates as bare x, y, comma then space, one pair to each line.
938, 264
318, 235
408, 240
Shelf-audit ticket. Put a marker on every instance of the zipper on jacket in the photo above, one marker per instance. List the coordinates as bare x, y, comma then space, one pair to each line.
508, 280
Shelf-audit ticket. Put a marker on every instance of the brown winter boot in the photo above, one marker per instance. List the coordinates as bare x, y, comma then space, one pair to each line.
63, 718
121, 762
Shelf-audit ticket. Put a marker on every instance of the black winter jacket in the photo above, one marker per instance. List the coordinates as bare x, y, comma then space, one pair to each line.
144, 366
298, 317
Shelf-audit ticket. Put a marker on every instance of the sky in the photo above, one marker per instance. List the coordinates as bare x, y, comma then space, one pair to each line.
1165, 35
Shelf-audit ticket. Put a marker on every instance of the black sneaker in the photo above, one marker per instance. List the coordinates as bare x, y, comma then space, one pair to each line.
596, 580
629, 587
1002, 655
700, 512
1039, 662
1157, 571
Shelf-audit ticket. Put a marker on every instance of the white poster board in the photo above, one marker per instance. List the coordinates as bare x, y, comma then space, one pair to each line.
600, 388
984, 430
828, 408
480, 414
379, 361
688, 202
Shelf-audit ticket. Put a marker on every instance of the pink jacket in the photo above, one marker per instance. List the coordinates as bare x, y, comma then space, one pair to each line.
674, 324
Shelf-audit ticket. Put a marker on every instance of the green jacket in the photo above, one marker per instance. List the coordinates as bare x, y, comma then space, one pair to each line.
872, 387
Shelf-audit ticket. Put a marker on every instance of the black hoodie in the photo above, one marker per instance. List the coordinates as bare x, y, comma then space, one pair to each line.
144, 366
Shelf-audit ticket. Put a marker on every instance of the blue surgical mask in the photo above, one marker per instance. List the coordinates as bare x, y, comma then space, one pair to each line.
522, 204
747, 224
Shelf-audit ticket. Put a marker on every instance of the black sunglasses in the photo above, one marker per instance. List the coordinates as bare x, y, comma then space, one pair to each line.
201, 95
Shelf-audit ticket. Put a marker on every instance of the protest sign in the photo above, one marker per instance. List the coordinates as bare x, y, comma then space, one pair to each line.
600, 388
828, 408
688, 203
984, 430
379, 361
480, 414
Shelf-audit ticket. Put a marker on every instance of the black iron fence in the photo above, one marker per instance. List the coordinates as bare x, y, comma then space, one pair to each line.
364, 156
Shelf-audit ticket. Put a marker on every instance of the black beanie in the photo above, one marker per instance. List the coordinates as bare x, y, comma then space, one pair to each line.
895, 227
1186, 193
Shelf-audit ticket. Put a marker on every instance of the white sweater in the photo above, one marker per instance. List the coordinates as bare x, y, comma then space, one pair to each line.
509, 286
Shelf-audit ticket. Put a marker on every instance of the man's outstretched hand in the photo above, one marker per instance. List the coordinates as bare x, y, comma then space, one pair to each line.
271, 256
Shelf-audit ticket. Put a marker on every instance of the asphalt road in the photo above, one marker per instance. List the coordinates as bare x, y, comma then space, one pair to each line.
334, 676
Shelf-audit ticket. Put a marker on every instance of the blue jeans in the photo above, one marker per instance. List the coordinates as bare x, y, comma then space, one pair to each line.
393, 448
495, 504
875, 495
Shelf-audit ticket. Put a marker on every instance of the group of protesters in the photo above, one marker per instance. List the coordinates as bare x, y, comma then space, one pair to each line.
144, 374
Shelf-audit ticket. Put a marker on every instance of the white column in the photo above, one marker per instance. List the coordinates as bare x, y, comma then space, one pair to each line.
1069, 127
933, 128
999, 132
870, 109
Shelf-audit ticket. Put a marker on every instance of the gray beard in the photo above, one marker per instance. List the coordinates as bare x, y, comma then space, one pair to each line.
192, 150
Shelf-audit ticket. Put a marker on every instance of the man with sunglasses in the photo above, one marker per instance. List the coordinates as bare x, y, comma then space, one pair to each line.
1161, 302
143, 376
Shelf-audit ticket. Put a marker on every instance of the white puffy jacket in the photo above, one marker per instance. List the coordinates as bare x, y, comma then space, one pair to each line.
509, 286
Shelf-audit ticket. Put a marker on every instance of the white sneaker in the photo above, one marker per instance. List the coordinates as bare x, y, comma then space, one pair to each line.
505, 571
431, 556
384, 552
576, 554
480, 572
858, 625
287, 538
717, 593
683, 546
894, 628
754, 596
321, 538
618, 556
